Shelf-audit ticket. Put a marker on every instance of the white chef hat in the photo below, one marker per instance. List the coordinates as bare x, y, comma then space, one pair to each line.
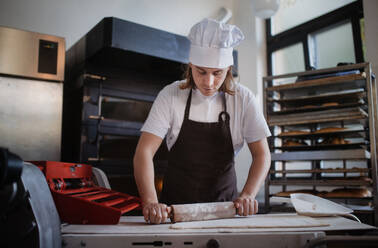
212, 43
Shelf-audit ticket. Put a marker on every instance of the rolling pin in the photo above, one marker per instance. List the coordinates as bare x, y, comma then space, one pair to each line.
202, 211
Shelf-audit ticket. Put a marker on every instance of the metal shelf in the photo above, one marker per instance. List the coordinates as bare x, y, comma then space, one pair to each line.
331, 115
321, 155
318, 82
320, 147
308, 108
331, 100
322, 98
320, 182
338, 170
335, 198
360, 133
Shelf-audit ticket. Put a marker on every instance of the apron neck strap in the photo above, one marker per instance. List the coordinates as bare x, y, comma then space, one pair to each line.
189, 101
187, 107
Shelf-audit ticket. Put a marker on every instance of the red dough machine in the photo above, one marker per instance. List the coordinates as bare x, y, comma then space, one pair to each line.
77, 198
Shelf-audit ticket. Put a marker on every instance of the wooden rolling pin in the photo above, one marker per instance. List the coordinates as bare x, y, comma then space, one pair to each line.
202, 211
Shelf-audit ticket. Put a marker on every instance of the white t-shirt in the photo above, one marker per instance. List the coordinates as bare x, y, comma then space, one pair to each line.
247, 122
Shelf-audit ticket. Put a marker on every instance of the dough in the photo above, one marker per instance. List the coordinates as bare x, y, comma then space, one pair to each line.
294, 143
287, 193
308, 106
202, 211
330, 130
335, 141
351, 192
328, 104
297, 132
339, 192
254, 221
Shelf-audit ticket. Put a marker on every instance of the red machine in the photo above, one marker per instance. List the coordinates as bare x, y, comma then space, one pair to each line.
78, 200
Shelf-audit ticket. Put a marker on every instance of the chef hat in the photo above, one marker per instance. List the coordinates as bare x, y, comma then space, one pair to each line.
212, 43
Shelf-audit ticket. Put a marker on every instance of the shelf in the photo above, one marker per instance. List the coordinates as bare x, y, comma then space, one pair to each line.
319, 147
321, 155
333, 198
317, 117
359, 133
318, 82
114, 127
310, 114
338, 170
349, 119
316, 108
123, 166
323, 98
319, 182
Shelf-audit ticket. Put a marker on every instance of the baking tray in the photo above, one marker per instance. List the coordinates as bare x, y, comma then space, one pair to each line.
319, 182
357, 154
341, 80
338, 170
359, 133
316, 108
343, 96
331, 115
319, 147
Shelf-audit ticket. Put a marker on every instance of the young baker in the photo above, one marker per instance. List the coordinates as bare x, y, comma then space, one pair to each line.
205, 119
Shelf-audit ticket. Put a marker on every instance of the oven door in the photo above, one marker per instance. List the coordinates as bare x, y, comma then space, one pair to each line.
111, 140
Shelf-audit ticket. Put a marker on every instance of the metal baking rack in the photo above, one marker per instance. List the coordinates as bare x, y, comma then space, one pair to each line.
320, 160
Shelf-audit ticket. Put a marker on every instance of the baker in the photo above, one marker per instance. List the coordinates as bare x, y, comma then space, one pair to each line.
205, 118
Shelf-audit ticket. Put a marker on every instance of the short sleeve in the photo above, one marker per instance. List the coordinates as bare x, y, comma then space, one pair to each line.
158, 121
255, 127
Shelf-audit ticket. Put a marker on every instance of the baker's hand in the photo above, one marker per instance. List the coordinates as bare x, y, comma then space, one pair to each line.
155, 213
246, 205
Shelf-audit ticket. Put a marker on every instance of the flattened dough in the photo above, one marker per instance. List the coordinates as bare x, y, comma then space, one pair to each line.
255, 221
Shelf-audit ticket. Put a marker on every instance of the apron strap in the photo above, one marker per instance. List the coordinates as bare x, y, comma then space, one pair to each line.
187, 107
222, 117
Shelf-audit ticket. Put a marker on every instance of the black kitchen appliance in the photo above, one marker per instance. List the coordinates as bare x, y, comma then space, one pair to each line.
113, 74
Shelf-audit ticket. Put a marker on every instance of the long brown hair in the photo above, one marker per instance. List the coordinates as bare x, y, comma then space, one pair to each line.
226, 85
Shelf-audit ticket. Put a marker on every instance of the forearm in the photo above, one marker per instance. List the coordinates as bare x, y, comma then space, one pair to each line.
257, 174
144, 177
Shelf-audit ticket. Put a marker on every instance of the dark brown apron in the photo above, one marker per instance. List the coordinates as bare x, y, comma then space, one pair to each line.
201, 162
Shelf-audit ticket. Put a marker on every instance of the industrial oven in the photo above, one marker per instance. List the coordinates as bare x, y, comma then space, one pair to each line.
113, 75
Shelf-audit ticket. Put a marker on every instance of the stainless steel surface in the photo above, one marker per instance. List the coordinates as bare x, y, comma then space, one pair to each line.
133, 231
43, 207
344, 241
19, 54
31, 118
132, 225
284, 239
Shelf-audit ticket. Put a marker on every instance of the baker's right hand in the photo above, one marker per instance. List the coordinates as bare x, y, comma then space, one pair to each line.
155, 213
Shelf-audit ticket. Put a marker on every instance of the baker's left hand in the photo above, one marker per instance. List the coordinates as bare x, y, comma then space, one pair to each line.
246, 205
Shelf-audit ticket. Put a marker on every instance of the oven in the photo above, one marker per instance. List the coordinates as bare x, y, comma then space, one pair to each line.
113, 75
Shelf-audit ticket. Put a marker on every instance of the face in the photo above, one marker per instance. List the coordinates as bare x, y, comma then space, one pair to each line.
208, 80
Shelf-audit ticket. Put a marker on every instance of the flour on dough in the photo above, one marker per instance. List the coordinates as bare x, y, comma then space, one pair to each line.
255, 221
